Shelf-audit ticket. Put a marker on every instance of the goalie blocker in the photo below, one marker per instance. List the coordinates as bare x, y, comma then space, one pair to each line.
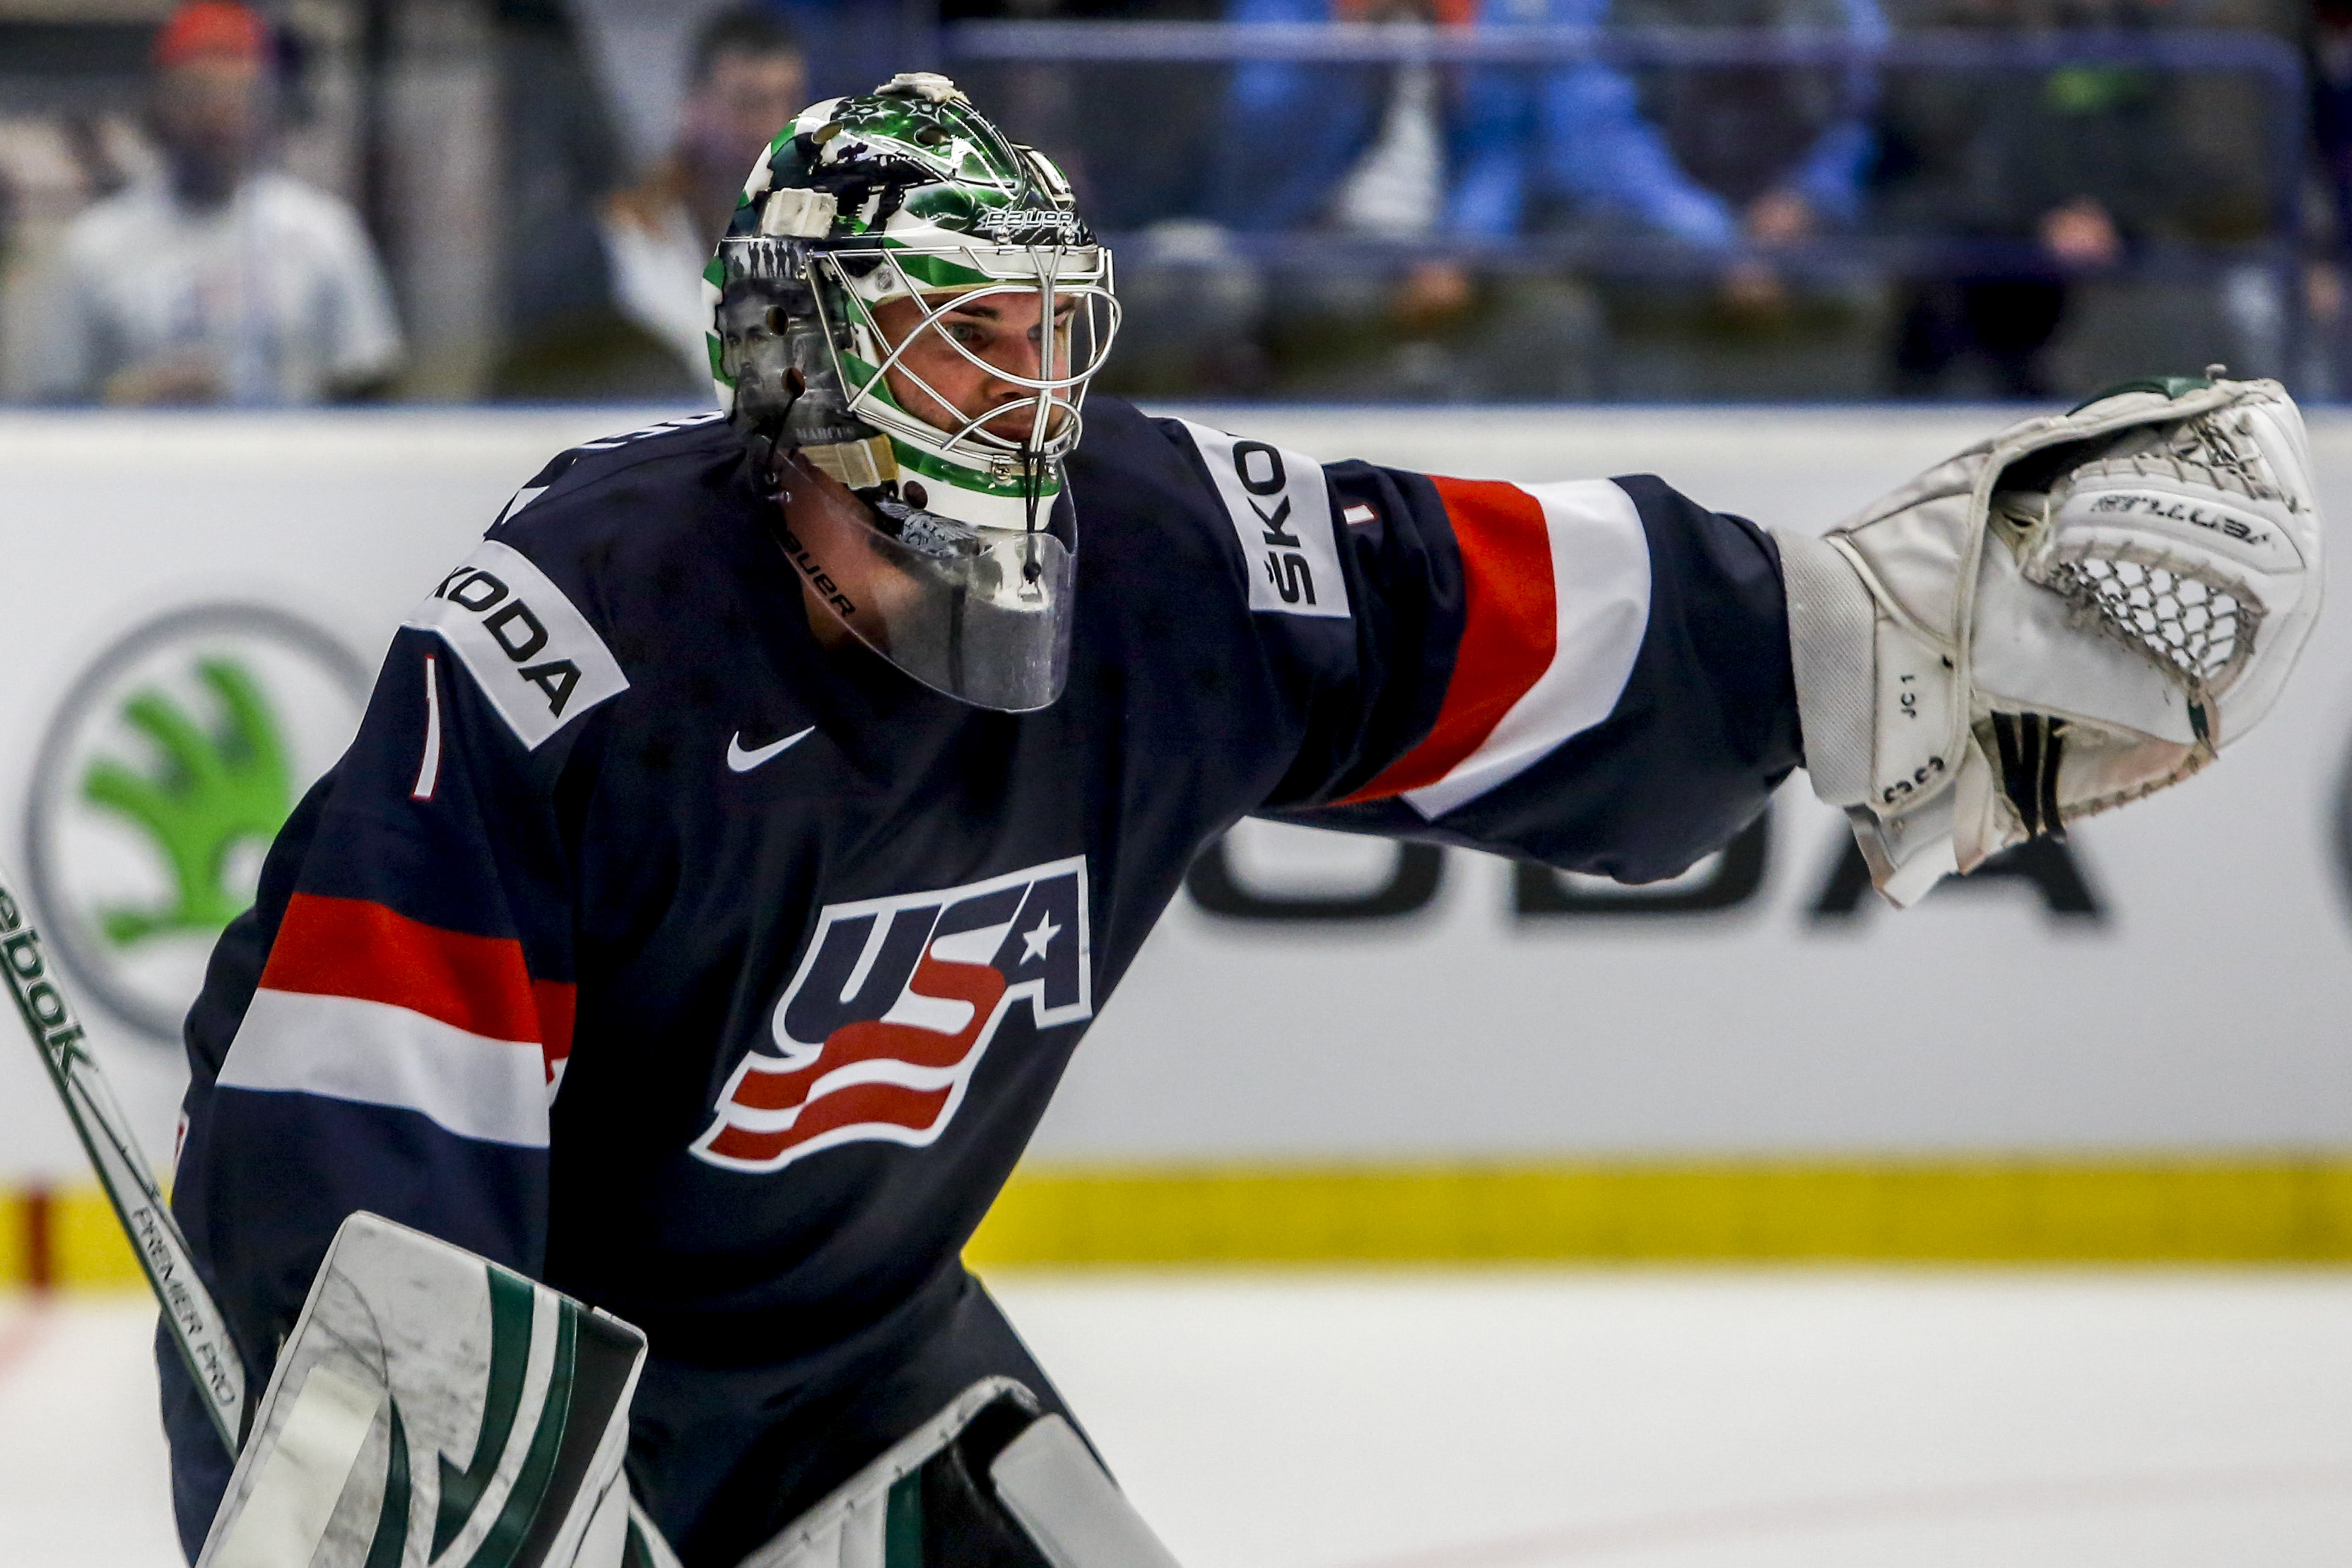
412, 1355
2079, 611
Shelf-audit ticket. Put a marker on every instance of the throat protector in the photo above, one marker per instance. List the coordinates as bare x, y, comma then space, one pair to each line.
980, 614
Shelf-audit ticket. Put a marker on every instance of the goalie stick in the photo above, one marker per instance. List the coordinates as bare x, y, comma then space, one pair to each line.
194, 1319
551, 1495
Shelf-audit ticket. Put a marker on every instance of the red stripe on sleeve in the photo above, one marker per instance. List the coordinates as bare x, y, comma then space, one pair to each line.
352, 947
1511, 628
554, 1001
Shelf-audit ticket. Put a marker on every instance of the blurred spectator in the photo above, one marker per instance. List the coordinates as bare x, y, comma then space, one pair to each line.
745, 81
216, 280
1367, 151
1733, 162
2056, 175
633, 326
851, 45
1361, 149
2328, 59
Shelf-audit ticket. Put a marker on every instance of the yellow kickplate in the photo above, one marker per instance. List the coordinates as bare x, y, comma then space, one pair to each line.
65, 1237
2290, 1210
1989, 1210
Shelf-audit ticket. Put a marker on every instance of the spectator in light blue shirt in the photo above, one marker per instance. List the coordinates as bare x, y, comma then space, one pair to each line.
1369, 148
1731, 162
1357, 147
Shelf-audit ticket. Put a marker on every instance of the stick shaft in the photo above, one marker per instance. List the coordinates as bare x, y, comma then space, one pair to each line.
193, 1318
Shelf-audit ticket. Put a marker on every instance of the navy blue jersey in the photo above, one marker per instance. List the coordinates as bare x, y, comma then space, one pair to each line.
644, 944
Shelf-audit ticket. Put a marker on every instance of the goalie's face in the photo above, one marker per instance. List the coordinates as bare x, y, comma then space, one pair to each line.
988, 359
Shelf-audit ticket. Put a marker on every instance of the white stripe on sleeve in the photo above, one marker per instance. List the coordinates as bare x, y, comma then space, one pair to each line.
1601, 589
429, 768
345, 1048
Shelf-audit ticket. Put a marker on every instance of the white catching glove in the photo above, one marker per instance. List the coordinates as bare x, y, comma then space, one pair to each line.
2071, 615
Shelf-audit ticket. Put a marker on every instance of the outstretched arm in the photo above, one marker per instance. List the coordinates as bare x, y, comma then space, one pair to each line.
1593, 674
1605, 676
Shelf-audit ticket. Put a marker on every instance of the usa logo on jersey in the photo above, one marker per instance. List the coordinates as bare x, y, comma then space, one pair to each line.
896, 1001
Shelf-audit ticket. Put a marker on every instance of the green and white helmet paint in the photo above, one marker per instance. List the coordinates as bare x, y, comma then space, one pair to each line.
959, 565
908, 193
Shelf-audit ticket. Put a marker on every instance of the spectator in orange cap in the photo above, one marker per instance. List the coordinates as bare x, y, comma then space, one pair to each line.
223, 281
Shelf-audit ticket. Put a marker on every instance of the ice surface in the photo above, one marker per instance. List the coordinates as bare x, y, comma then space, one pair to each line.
1836, 1419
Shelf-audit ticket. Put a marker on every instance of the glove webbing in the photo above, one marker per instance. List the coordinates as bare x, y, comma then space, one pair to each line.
2029, 746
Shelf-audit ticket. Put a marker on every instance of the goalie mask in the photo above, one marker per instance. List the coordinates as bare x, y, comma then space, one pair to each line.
882, 237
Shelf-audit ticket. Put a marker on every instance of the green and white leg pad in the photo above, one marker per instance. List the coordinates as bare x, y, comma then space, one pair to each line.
988, 1480
432, 1407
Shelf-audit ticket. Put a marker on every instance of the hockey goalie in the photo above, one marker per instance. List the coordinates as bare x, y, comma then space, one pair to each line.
739, 841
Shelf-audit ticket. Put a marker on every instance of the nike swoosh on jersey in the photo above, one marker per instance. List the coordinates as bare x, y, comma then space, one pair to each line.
742, 761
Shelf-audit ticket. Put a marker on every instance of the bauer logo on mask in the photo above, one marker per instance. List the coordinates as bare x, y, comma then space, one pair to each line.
894, 1003
1030, 225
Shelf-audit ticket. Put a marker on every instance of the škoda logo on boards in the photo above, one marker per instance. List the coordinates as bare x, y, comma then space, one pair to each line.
1737, 878
161, 781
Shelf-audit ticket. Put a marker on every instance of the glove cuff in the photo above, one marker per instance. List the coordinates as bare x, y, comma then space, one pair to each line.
1832, 623
1908, 855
